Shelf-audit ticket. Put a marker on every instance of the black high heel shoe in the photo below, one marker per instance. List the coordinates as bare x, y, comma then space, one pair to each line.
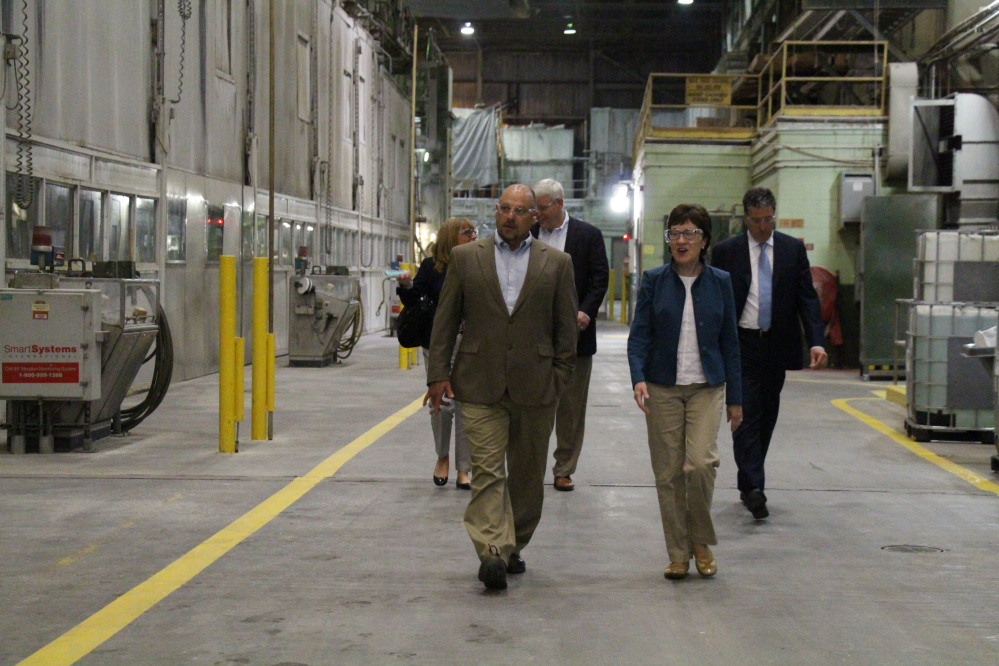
441, 480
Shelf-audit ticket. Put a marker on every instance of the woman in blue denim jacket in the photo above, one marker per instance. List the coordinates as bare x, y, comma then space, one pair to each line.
684, 356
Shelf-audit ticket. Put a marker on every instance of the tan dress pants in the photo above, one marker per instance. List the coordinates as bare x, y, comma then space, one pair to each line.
509, 448
570, 418
683, 429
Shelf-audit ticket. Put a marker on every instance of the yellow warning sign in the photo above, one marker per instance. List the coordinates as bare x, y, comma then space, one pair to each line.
709, 90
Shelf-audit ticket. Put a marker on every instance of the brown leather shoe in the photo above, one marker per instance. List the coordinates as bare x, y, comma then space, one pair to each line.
707, 567
677, 570
564, 483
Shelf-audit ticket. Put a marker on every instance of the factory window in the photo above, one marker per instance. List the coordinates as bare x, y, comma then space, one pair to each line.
119, 248
231, 216
297, 238
223, 41
261, 246
304, 80
214, 229
20, 219
309, 238
59, 216
176, 228
89, 245
145, 230
284, 243
246, 236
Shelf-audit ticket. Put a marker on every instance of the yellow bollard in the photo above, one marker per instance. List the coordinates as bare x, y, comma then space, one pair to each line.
240, 385
403, 358
610, 295
271, 357
258, 406
227, 352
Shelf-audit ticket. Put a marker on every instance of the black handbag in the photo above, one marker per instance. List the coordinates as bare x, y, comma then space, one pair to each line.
415, 324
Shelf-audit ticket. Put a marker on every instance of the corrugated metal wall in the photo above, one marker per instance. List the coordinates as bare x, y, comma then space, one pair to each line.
94, 67
91, 80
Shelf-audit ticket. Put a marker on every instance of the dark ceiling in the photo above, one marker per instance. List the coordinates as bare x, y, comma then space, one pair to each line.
683, 37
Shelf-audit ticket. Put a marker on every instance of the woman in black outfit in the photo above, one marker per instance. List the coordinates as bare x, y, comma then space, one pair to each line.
428, 282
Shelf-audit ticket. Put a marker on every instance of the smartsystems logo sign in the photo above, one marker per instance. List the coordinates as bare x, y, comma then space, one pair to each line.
40, 364
39, 350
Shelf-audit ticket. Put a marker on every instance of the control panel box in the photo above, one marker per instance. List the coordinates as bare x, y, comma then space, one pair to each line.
49, 344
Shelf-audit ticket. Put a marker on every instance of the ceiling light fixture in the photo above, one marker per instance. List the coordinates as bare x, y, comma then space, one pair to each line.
684, 2
569, 30
467, 29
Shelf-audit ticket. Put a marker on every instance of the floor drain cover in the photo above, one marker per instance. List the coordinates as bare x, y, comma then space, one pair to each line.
906, 548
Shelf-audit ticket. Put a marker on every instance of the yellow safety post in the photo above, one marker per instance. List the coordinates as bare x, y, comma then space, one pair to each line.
624, 297
610, 295
240, 385
258, 407
271, 354
227, 353
403, 358
407, 357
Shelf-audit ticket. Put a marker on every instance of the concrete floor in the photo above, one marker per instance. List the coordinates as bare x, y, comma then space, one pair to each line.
372, 564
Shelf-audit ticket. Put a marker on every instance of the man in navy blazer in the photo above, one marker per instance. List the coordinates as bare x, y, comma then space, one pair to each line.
585, 244
768, 349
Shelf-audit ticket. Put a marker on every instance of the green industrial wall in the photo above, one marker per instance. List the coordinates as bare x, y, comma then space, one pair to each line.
802, 162
713, 175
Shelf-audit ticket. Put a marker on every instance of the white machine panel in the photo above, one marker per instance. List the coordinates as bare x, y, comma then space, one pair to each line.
48, 344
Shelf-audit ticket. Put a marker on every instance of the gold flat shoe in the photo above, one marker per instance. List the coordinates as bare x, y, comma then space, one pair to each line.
706, 568
677, 570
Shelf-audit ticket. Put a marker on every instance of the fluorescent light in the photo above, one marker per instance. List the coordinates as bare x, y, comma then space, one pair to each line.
467, 29
569, 30
684, 2
619, 200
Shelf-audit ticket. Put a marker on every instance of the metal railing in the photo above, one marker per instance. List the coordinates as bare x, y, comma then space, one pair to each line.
698, 106
802, 79
813, 79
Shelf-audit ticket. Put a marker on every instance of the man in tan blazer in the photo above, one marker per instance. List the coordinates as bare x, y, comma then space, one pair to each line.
518, 304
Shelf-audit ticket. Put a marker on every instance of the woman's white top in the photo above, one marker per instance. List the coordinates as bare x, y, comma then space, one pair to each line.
688, 353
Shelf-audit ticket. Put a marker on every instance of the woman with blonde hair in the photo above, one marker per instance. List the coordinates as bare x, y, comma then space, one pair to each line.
428, 283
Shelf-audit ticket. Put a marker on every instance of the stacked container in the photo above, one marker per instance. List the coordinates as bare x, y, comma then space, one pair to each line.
956, 294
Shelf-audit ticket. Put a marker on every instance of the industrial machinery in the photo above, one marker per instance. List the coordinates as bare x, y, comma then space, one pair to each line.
72, 347
322, 307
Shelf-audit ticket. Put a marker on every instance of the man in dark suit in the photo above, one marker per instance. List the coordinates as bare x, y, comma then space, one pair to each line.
774, 299
585, 244
518, 305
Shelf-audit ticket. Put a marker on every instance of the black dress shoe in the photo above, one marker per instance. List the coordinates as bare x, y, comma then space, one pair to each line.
440, 480
516, 565
492, 572
756, 502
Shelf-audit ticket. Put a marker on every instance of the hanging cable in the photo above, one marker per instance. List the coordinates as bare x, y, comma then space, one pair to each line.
24, 190
357, 329
184, 9
327, 236
162, 373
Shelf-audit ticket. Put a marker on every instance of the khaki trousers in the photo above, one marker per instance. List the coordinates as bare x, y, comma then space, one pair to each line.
570, 418
509, 447
683, 429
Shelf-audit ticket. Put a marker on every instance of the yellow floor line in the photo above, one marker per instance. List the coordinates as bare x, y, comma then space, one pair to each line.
105, 623
976, 480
